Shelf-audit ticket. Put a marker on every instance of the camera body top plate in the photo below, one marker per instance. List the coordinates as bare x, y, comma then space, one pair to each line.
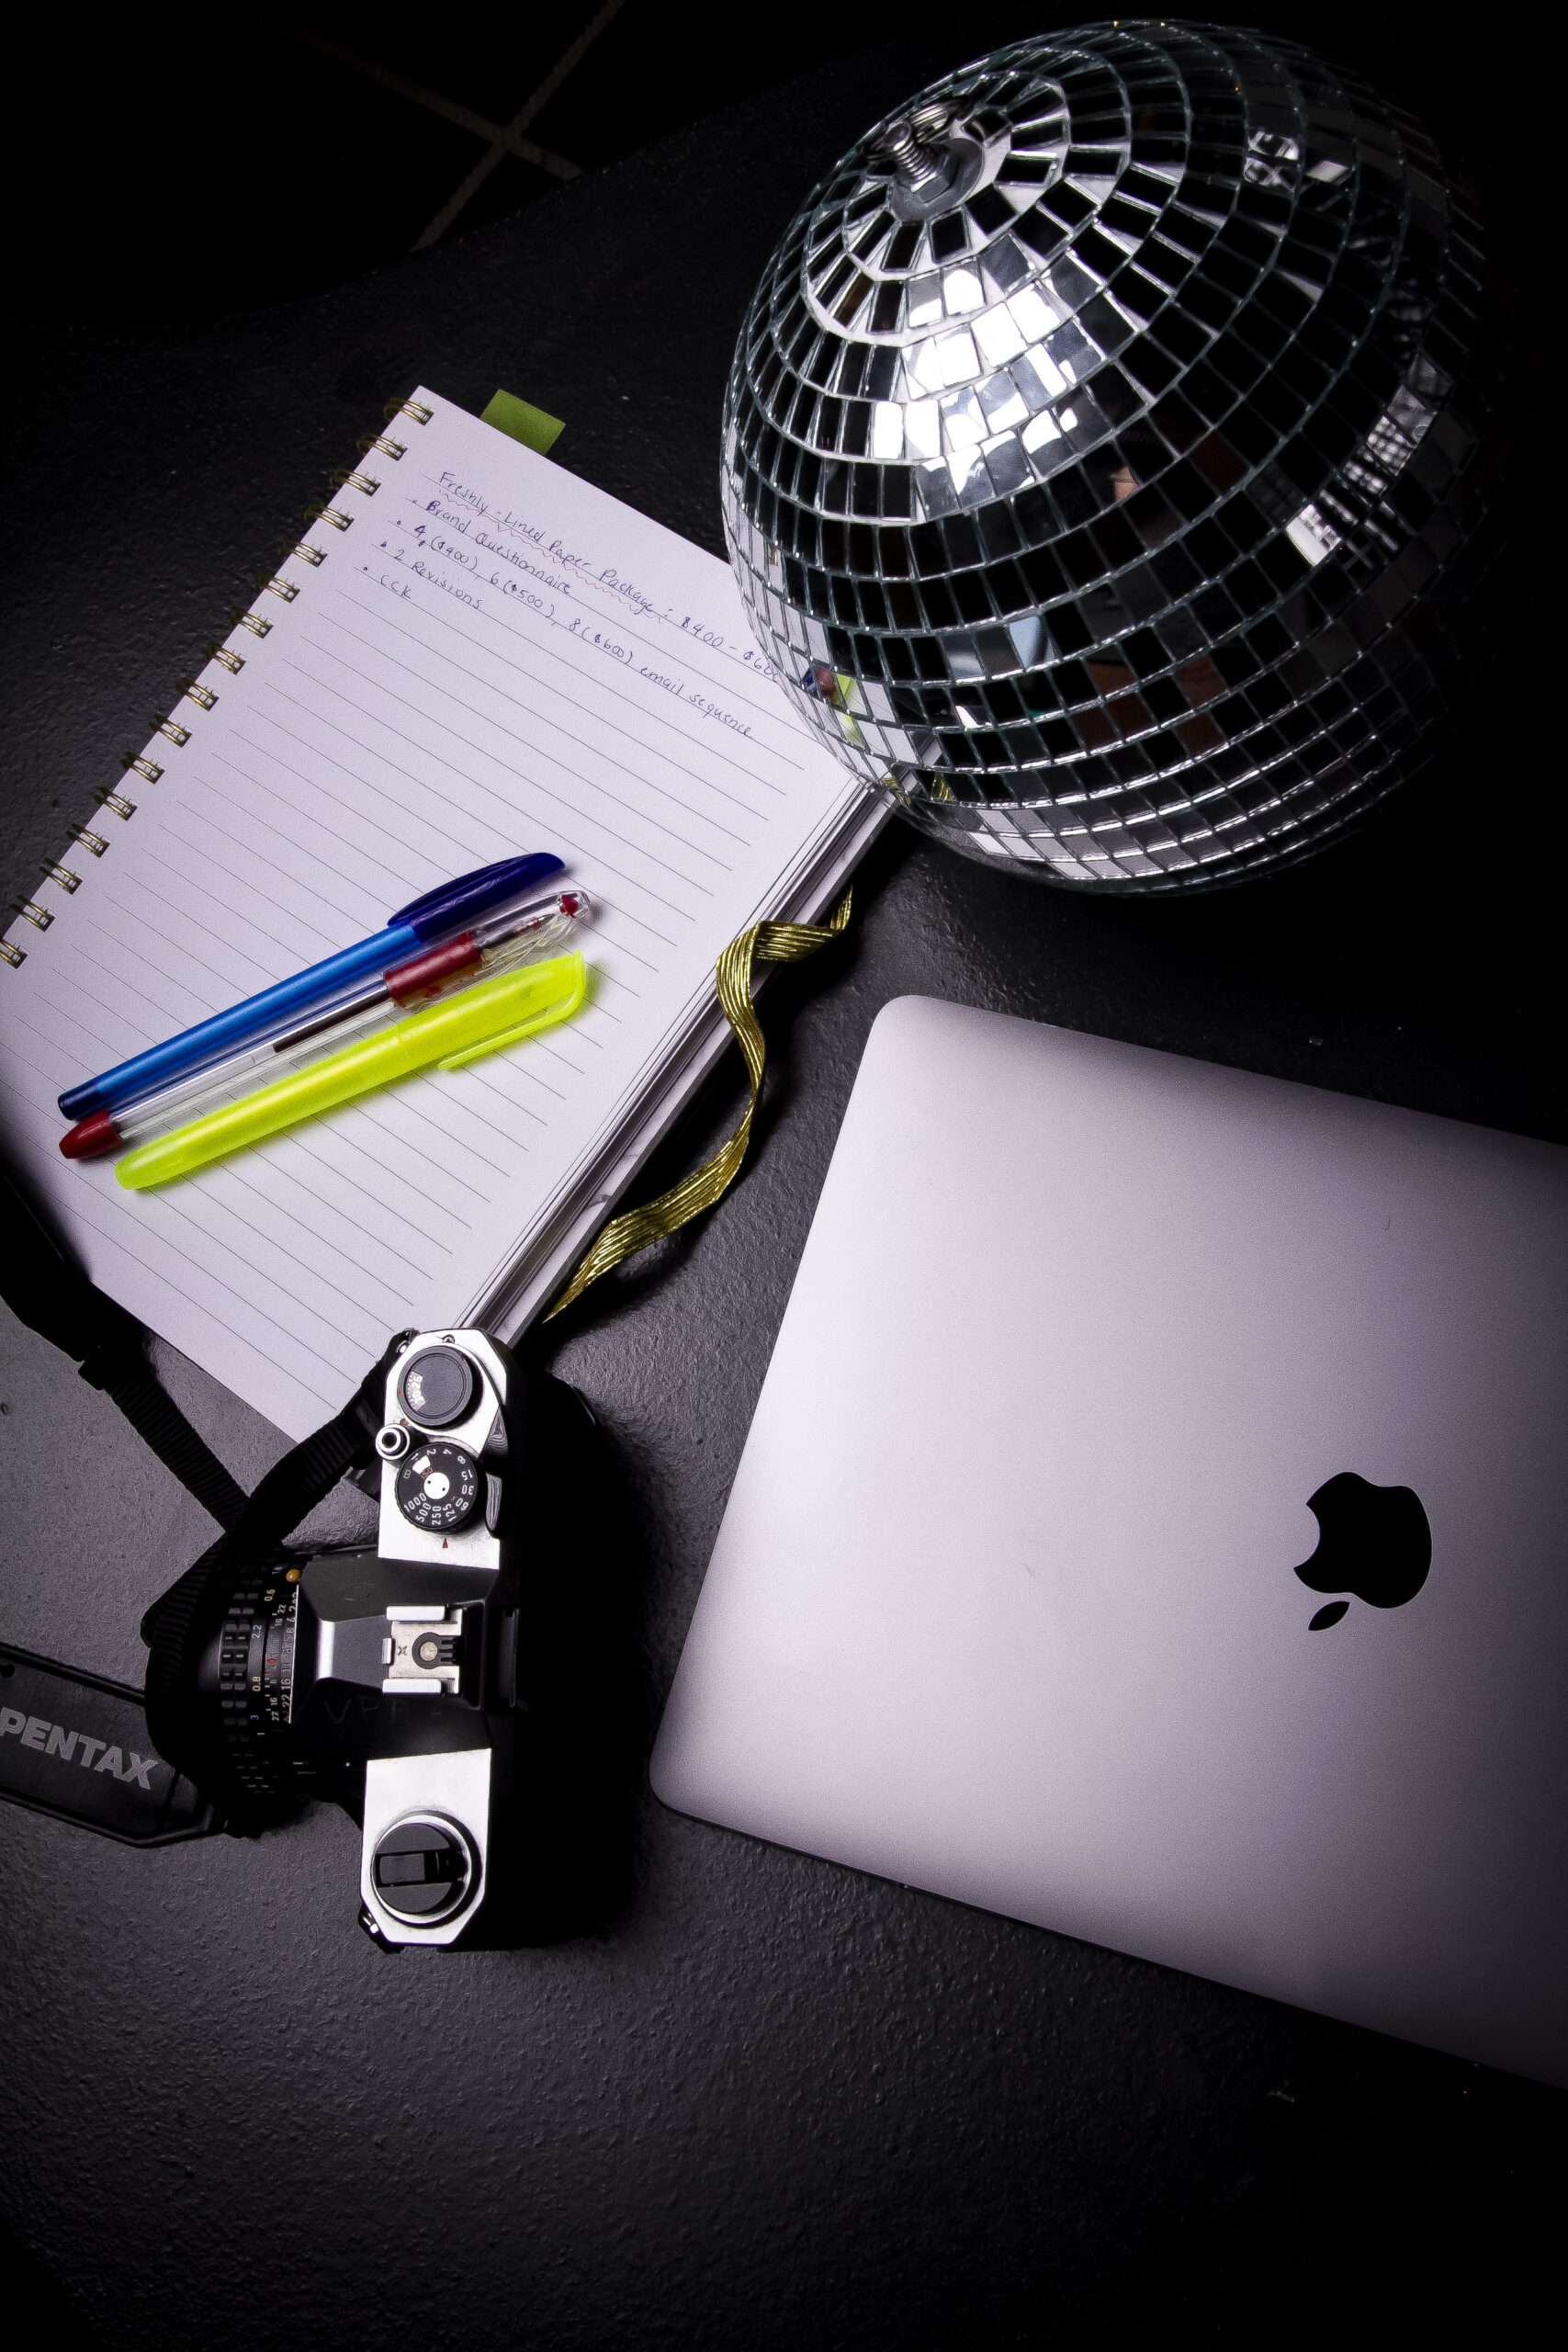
478, 1432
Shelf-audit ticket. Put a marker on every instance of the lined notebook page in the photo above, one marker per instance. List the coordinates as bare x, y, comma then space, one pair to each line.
495, 657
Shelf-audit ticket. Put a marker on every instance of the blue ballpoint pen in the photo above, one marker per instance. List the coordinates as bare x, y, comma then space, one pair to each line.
439, 915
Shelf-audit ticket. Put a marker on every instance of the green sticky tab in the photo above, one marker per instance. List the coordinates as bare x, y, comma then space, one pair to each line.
523, 422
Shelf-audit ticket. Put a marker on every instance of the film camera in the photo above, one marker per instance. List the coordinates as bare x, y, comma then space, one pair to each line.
443, 1688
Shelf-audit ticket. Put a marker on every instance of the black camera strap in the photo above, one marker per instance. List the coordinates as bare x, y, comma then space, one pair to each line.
78, 1746
46, 1289
307, 1475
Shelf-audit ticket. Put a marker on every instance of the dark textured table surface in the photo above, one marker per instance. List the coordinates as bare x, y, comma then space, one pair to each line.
768, 2102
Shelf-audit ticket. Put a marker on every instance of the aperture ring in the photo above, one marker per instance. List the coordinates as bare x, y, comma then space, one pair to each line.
256, 1676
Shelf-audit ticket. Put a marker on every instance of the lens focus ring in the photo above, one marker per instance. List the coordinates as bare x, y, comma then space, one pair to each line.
256, 1681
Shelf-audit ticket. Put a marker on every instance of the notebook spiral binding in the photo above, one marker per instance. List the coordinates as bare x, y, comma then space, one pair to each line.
174, 731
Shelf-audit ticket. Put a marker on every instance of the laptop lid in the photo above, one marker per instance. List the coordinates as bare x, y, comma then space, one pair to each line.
1107, 1376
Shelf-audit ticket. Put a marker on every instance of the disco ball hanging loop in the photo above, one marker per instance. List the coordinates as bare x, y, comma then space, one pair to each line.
1103, 455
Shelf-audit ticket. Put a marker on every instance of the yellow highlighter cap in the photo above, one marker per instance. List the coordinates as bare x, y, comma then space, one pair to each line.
559, 1004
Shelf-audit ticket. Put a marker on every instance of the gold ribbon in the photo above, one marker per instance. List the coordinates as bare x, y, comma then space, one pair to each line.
765, 942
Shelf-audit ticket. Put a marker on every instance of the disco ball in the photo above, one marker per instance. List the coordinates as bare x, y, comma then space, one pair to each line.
1103, 459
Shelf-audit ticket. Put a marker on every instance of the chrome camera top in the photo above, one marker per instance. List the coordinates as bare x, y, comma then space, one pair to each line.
442, 1449
444, 1495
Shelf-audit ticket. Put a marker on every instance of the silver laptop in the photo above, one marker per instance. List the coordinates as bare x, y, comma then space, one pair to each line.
1152, 1527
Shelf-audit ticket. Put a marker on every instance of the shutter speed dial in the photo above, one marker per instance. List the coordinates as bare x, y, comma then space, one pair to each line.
438, 1488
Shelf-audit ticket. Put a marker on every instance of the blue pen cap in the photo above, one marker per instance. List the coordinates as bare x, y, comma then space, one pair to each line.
452, 906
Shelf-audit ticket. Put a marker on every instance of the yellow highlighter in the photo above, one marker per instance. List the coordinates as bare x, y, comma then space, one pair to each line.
458, 1029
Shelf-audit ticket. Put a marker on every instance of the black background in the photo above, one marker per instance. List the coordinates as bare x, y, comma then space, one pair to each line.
768, 2102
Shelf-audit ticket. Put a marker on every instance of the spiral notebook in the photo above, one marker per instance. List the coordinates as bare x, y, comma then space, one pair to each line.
472, 653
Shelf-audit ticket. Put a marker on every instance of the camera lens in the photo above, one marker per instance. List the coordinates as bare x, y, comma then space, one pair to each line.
219, 1693
437, 1388
422, 1870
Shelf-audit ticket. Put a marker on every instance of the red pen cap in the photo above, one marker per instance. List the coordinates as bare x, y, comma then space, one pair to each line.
90, 1138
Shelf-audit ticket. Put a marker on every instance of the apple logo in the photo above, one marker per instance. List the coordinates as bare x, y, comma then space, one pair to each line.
1372, 1541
